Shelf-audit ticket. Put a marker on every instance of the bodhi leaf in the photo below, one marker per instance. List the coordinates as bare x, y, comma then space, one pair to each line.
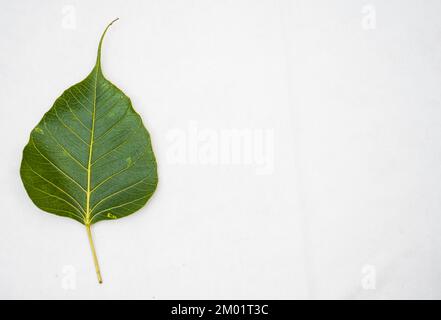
90, 158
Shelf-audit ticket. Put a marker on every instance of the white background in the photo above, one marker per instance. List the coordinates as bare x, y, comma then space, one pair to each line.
352, 208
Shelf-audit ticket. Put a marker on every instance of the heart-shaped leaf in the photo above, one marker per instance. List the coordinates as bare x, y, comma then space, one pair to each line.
90, 158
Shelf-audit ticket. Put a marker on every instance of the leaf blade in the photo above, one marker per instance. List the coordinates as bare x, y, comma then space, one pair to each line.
91, 153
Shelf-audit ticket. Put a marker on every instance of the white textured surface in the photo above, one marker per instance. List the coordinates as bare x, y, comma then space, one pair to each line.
356, 118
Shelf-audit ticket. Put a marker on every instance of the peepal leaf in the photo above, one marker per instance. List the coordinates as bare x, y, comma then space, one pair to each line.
90, 157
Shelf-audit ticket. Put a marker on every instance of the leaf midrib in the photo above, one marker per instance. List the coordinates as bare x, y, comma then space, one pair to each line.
89, 163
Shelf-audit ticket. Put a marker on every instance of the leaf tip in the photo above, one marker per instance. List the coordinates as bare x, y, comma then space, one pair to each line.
116, 19
98, 59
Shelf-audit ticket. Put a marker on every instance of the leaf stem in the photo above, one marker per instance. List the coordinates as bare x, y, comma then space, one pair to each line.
95, 259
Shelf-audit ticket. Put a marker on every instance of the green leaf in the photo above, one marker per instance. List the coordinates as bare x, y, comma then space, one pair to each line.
90, 157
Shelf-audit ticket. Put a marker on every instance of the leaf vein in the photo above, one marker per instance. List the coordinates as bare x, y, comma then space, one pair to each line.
56, 186
79, 102
117, 192
54, 196
67, 151
75, 115
131, 134
69, 128
121, 205
55, 166
119, 172
113, 126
